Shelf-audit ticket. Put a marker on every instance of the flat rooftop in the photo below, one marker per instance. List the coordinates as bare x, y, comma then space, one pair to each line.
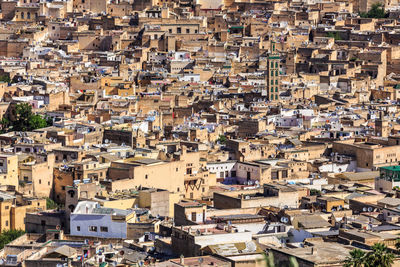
200, 261
320, 254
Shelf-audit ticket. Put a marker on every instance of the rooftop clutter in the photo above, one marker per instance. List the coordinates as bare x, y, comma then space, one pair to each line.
199, 133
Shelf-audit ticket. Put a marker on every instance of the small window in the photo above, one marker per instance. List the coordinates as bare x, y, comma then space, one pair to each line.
7, 207
40, 181
63, 188
146, 176
78, 228
93, 228
103, 229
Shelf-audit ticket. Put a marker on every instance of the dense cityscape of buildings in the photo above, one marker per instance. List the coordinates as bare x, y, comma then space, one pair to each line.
229, 133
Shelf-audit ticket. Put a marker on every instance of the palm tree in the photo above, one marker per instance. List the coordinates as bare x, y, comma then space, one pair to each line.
356, 258
398, 244
379, 256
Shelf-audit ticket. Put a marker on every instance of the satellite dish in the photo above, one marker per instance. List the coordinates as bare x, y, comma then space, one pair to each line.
364, 209
250, 246
106, 141
370, 209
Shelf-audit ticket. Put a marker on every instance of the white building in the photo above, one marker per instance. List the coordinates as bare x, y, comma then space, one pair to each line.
222, 169
90, 219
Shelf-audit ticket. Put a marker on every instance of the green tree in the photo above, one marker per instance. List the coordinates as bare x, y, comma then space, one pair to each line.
37, 122
379, 256
269, 260
315, 192
5, 123
356, 258
9, 235
335, 35
377, 11
5, 78
23, 119
222, 139
398, 244
50, 204
23, 113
